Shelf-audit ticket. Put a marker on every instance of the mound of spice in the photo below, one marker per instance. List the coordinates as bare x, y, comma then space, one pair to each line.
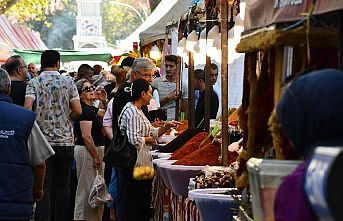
190, 146
206, 155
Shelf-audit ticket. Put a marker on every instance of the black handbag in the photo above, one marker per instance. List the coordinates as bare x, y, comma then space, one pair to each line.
120, 153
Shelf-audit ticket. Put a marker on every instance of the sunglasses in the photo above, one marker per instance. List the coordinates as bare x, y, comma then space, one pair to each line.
88, 89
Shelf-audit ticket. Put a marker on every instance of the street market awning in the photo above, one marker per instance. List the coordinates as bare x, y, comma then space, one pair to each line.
260, 14
17, 36
66, 56
168, 12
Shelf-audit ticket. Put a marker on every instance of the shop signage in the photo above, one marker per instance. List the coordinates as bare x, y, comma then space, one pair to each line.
259, 14
283, 3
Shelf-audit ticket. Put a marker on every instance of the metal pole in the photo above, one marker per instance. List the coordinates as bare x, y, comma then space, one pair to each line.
224, 69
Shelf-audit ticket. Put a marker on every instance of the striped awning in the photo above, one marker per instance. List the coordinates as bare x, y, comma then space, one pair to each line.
15, 36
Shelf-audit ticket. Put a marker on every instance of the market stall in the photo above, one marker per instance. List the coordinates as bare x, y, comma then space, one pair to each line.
281, 41
201, 150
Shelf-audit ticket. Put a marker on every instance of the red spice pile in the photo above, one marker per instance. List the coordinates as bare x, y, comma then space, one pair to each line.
190, 146
207, 155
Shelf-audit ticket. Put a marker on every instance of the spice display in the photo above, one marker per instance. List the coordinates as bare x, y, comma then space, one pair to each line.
220, 179
206, 155
190, 146
179, 141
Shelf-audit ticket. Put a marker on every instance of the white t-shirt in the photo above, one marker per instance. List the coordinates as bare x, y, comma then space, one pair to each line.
38, 147
165, 88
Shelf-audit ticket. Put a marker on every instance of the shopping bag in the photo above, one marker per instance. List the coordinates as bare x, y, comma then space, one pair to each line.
99, 194
143, 169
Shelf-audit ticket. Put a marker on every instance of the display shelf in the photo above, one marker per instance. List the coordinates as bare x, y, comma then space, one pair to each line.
179, 176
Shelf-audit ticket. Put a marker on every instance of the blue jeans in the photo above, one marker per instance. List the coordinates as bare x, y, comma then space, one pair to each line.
55, 203
113, 188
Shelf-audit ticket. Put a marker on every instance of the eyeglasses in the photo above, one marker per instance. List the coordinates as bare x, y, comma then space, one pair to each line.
23, 66
88, 89
144, 74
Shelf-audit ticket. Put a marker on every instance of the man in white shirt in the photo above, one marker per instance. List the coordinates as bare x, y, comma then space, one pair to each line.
166, 87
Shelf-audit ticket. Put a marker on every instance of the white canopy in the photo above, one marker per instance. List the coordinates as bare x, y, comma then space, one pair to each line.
168, 12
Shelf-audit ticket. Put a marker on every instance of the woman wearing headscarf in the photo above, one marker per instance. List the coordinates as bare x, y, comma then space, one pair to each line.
88, 152
135, 195
310, 115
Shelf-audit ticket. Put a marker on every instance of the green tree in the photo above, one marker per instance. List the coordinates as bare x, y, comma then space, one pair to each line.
31, 10
59, 28
56, 25
120, 21
6, 4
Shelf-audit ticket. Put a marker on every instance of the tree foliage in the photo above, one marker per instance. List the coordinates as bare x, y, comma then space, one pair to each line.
59, 28
32, 10
6, 4
120, 21
55, 22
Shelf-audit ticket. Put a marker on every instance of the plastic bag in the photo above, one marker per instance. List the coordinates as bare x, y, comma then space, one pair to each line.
143, 169
98, 194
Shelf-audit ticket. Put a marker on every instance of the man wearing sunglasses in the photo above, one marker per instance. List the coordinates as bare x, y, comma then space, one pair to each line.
166, 87
56, 101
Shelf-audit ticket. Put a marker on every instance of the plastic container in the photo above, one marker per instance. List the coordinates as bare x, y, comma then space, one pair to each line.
179, 176
157, 155
167, 138
213, 204
265, 177
161, 169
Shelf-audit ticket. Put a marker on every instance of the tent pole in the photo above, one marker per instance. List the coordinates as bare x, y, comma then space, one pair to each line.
224, 69
207, 75
191, 90
191, 100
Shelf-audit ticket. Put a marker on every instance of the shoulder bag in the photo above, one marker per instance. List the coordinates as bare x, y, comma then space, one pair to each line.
120, 153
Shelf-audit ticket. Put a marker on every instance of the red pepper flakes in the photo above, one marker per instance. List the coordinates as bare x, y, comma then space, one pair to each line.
207, 155
190, 146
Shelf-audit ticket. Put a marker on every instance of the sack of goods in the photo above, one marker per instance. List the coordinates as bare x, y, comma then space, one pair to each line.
143, 169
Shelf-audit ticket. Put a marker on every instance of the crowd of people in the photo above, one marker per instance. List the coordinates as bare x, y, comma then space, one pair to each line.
55, 123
